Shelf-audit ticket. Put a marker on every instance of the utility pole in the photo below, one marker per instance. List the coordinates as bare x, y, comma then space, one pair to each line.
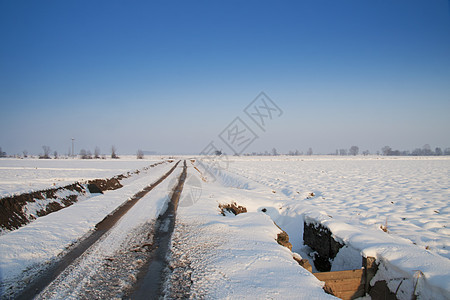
72, 147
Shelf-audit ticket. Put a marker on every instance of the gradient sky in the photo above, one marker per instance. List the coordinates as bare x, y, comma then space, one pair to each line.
169, 76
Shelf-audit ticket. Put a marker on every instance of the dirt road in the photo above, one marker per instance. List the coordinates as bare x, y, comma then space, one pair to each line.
124, 256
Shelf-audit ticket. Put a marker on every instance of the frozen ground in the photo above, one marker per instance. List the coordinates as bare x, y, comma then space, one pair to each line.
354, 197
24, 175
237, 257
410, 195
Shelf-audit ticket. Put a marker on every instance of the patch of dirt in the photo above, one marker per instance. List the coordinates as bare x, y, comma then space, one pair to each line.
320, 239
381, 291
94, 189
108, 184
201, 174
310, 195
13, 212
232, 208
283, 238
304, 263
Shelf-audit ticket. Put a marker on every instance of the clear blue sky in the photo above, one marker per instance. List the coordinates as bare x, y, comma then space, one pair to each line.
169, 76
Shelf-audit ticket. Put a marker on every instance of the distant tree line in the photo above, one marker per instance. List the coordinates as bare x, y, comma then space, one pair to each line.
83, 154
2, 154
424, 151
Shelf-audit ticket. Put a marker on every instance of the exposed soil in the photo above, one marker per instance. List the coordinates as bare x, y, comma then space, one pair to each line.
232, 208
320, 239
107, 184
304, 263
283, 239
14, 214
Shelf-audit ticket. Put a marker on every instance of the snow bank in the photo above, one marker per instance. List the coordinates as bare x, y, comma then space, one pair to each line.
234, 257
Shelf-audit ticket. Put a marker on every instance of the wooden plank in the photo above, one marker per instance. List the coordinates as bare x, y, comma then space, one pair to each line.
349, 295
324, 276
345, 285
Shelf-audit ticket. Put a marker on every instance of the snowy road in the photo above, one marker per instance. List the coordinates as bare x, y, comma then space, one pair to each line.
109, 268
120, 243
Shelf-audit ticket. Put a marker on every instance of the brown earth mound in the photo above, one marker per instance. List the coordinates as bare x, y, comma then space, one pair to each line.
13, 215
283, 240
232, 208
107, 184
13, 209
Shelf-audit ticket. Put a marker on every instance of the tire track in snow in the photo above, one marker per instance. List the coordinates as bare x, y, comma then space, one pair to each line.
50, 274
152, 276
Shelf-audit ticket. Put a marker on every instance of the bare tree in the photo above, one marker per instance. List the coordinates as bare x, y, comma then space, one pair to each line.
55, 154
342, 151
2, 154
438, 151
25, 153
140, 154
97, 153
354, 150
83, 154
417, 152
426, 150
274, 152
310, 151
386, 150
46, 152
114, 152
366, 152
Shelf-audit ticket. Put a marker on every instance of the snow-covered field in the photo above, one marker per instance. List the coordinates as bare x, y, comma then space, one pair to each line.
237, 257
354, 197
410, 195
25, 175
